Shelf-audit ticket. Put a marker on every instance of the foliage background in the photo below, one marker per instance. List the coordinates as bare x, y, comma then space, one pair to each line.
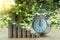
22, 12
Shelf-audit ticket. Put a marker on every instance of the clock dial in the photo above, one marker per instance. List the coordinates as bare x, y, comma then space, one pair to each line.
39, 25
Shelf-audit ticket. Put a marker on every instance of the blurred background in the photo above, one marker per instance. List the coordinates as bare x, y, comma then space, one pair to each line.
21, 12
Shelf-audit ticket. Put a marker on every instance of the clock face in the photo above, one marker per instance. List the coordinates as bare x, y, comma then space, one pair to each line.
39, 25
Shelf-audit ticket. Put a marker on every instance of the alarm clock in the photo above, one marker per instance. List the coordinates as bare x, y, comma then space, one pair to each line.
40, 24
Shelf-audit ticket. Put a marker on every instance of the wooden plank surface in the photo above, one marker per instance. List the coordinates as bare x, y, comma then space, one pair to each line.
28, 34
19, 32
24, 33
32, 35
15, 32
10, 30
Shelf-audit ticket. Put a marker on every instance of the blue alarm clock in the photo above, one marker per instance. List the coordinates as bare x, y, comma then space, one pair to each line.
40, 24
